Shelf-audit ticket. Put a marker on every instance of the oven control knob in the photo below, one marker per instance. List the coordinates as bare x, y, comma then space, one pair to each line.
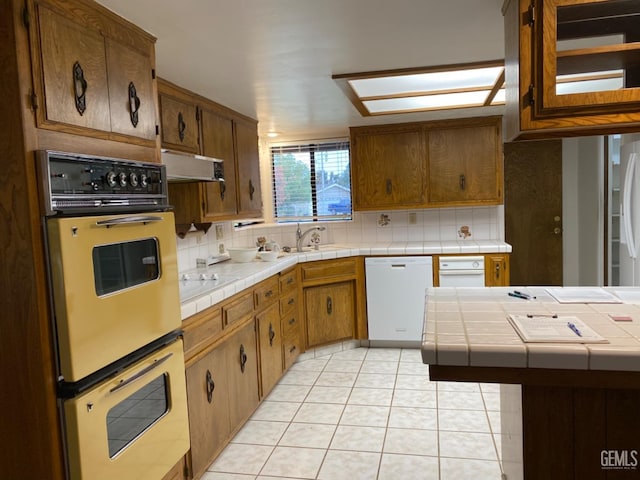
186, 276
111, 178
475, 264
214, 276
133, 179
203, 276
122, 177
144, 180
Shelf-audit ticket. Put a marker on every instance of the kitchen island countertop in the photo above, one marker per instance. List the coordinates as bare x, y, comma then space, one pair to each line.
469, 327
249, 274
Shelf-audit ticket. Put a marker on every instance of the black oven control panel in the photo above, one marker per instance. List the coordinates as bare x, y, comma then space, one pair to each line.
76, 184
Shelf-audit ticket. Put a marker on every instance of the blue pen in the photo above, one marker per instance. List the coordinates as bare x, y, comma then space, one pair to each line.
574, 328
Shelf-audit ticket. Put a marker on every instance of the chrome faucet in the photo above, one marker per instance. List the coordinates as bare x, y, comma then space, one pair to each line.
300, 235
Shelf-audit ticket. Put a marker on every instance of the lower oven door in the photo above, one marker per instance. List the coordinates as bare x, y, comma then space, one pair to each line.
133, 426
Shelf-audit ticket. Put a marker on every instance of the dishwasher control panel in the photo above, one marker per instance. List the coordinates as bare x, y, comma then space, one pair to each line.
462, 263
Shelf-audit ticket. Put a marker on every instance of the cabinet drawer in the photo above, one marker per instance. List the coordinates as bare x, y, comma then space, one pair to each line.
289, 303
266, 293
201, 329
237, 309
290, 325
291, 347
328, 269
288, 281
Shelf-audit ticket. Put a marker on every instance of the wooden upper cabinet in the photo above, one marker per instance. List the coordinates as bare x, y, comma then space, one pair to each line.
248, 169
572, 67
217, 142
92, 73
74, 73
388, 167
427, 164
466, 163
131, 93
179, 120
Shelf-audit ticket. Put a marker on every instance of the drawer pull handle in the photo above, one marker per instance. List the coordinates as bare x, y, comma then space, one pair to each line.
292, 349
497, 270
80, 88
291, 301
462, 182
272, 335
252, 190
389, 186
243, 358
223, 188
329, 306
289, 280
268, 293
211, 386
292, 321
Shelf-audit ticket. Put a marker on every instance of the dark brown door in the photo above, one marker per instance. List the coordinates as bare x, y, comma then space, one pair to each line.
533, 211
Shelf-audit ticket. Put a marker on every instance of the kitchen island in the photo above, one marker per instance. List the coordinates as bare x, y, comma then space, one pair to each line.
568, 409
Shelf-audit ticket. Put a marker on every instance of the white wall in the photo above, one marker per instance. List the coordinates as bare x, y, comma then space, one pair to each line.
583, 211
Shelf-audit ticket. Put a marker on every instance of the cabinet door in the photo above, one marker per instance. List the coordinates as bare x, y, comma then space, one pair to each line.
465, 165
242, 363
74, 73
330, 312
249, 196
131, 94
587, 56
179, 124
208, 401
217, 142
496, 270
388, 169
270, 345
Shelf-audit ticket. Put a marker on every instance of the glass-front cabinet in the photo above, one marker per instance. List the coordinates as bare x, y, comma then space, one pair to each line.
573, 67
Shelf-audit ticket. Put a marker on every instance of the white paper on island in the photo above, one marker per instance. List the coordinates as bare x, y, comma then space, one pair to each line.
582, 295
553, 329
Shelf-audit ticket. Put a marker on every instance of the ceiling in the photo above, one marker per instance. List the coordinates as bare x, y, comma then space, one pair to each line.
273, 59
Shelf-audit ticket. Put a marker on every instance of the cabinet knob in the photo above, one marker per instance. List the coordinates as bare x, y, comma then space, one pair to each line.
389, 186
252, 190
463, 182
329, 306
223, 189
497, 270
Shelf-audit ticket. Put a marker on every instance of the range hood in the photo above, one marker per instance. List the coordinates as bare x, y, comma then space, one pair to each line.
185, 167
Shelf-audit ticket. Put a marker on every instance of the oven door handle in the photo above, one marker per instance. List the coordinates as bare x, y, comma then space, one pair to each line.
141, 373
128, 220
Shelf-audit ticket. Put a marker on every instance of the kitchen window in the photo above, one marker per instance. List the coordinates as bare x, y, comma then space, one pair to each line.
311, 182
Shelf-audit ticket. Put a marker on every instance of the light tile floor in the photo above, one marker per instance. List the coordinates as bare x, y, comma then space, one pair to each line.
367, 413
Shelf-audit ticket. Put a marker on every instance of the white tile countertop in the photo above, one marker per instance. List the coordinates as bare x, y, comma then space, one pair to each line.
469, 327
245, 275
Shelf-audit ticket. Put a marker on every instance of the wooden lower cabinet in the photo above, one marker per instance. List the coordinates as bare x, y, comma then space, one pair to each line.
330, 312
242, 370
208, 401
496, 270
270, 347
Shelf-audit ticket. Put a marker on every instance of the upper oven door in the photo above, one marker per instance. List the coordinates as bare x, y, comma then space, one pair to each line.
115, 286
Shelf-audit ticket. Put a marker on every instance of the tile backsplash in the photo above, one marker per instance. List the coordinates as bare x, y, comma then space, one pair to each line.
428, 225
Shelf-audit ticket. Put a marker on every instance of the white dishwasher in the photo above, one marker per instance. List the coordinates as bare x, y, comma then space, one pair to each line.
395, 299
461, 271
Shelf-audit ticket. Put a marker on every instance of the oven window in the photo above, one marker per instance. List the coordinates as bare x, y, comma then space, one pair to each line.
124, 265
128, 419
